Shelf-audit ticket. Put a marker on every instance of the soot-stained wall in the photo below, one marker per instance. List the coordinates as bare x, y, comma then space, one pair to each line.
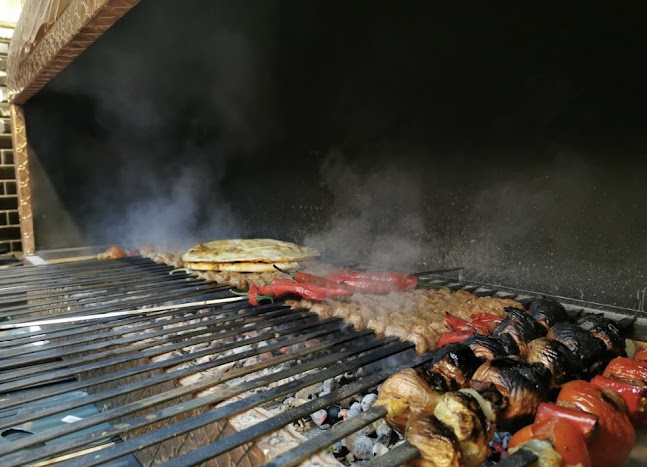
508, 140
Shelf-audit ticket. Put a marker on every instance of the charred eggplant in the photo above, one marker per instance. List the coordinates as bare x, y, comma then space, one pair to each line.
521, 327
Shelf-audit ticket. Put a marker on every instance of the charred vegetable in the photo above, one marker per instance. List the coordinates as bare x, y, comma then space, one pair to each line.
436, 441
521, 327
452, 368
521, 387
558, 359
590, 350
605, 330
547, 312
487, 347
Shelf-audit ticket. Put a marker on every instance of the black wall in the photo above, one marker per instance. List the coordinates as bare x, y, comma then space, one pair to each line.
507, 138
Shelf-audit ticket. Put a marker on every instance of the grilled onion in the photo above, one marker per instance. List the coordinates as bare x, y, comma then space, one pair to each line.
521, 386
436, 441
462, 412
521, 328
605, 330
547, 312
487, 347
556, 358
404, 394
590, 350
452, 368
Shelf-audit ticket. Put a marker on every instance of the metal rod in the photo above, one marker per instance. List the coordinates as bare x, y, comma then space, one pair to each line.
338, 432
31, 377
399, 455
247, 435
26, 416
72, 319
197, 421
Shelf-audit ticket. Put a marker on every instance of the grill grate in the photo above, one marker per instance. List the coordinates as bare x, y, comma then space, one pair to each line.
141, 314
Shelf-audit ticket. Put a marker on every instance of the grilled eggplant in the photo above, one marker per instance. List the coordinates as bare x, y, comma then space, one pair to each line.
462, 412
521, 327
520, 387
558, 359
436, 441
488, 347
452, 368
590, 350
547, 312
404, 394
605, 330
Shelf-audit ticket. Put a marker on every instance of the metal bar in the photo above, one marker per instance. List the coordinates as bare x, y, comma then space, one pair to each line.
399, 455
131, 353
26, 416
181, 292
384, 349
59, 268
150, 322
156, 287
70, 330
338, 432
88, 292
247, 435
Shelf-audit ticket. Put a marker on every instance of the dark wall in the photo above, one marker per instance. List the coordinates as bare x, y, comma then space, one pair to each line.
509, 139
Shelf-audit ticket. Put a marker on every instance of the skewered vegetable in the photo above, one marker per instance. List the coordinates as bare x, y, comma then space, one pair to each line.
520, 386
627, 369
521, 328
436, 441
547, 312
590, 350
452, 369
453, 337
555, 357
586, 422
616, 435
605, 330
487, 347
634, 395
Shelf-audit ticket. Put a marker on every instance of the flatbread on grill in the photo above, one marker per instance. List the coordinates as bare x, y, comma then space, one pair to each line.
246, 255
241, 266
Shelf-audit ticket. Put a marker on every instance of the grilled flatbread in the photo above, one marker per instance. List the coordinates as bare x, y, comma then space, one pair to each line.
253, 250
241, 266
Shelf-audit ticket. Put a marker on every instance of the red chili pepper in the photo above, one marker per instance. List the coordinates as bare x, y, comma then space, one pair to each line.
635, 397
586, 422
282, 287
641, 354
482, 327
305, 277
456, 323
487, 318
252, 294
452, 337
375, 282
627, 369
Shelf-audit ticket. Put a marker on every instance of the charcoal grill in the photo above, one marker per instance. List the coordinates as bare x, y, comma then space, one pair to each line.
95, 327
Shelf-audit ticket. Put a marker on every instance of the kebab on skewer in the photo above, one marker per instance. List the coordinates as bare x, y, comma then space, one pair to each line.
507, 386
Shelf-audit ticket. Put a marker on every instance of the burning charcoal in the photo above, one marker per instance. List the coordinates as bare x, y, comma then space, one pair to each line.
379, 449
328, 386
333, 413
360, 446
319, 417
325, 426
354, 410
339, 450
305, 393
383, 430
367, 401
251, 361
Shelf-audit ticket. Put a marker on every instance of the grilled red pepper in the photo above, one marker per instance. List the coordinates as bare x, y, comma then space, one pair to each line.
635, 397
282, 287
456, 323
641, 354
252, 294
452, 337
586, 422
627, 369
307, 278
486, 318
616, 435
374, 282
482, 327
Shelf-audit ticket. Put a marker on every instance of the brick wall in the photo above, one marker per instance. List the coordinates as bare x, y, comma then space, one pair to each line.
9, 223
